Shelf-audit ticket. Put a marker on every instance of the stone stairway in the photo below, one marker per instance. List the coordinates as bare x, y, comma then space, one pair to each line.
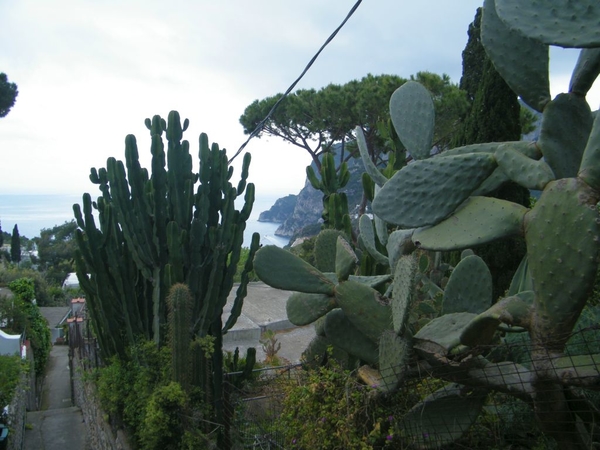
58, 425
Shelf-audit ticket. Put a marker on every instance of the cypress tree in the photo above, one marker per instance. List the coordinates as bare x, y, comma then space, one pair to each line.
494, 117
15, 246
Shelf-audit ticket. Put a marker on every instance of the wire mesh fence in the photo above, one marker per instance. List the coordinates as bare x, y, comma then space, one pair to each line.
257, 406
507, 395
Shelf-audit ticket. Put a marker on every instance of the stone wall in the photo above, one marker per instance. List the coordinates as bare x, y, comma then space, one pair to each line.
17, 411
100, 435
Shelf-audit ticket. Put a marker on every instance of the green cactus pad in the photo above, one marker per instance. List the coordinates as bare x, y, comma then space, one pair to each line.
282, 270
583, 368
303, 308
529, 149
394, 352
590, 163
377, 177
371, 281
442, 418
381, 228
469, 288
366, 308
411, 200
399, 243
521, 280
344, 334
508, 50
441, 335
325, 249
403, 291
480, 220
568, 24
525, 171
561, 233
367, 235
512, 311
321, 348
565, 130
586, 71
345, 259
492, 183
413, 116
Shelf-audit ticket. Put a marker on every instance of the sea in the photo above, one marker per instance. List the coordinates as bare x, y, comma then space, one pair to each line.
32, 213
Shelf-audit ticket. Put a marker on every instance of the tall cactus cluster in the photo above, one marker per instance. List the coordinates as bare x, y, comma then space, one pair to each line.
148, 233
439, 203
335, 204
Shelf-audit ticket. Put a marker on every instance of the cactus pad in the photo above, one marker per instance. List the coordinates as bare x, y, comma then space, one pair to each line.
480, 220
367, 235
303, 308
469, 288
415, 129
568, 24
403, 291
394, 352
513, 311
443, 417
441, 335
377, 177
345, 259
399, 243
344, 334
325, 249
410, 200
529, 173
366, 308
564, 133
507, 49
282, 270
561, 233
586, 71
590, 163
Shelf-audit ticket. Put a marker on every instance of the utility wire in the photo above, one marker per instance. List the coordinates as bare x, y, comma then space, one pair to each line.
259, 127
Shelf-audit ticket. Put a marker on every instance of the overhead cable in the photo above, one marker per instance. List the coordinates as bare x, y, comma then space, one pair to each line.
260, 125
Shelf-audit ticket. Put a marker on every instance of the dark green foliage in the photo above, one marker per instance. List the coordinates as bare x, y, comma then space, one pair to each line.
10, 374
8, 95
35, 325
15, 246
56, 251
42, 292
495, 116
331, 410
494, 109
163, 426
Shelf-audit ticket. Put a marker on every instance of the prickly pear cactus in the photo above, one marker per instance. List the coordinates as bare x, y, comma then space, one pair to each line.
561, 231
439, 203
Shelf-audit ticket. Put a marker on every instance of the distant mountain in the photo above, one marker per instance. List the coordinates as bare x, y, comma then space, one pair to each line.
280, 211
296, 212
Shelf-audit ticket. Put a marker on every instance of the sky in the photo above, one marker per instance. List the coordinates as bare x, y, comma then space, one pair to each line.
89, 72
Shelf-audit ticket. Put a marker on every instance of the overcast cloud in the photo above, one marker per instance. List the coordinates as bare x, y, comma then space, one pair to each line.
89, 72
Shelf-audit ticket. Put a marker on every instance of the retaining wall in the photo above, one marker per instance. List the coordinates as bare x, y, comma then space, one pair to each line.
17, 411
100, 435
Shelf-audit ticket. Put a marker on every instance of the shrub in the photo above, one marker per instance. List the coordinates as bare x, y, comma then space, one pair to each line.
10, 372
35, 325
162, 427
331, 410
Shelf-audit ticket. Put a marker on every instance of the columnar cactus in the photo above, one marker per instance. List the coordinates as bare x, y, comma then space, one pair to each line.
156, 229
